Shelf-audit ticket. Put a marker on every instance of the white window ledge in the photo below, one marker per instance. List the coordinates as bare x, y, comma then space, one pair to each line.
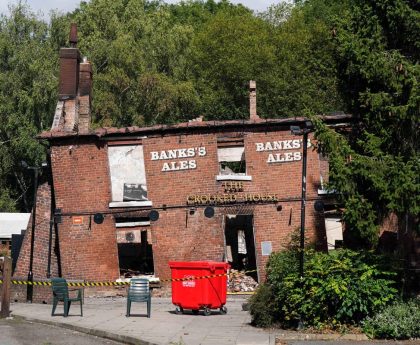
130, 203
326, 192
233, 178
131, 224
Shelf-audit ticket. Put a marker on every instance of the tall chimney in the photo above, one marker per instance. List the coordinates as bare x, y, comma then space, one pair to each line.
75, 89
69, 67
253, 100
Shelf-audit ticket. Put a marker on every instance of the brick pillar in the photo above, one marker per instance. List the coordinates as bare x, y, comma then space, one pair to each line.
85, 92
253, 100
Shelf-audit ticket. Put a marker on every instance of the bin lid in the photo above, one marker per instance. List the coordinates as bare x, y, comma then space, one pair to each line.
198, 264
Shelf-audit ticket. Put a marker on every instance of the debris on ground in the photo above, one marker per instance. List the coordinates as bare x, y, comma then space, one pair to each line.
240, 282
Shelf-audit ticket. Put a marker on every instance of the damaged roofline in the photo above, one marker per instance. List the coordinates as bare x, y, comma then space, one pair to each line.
135, 132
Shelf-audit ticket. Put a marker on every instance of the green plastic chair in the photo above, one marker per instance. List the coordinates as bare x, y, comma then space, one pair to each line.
139, 291
61, 294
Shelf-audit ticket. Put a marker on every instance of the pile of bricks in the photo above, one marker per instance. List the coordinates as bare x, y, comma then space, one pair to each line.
240, 282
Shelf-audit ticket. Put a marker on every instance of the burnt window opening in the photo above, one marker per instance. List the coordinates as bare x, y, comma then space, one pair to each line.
233, 168
135, 255
232, 160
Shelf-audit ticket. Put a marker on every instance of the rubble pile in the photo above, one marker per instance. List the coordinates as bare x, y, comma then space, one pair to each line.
240, 282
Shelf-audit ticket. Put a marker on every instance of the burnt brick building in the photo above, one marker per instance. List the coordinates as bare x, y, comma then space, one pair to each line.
94, 219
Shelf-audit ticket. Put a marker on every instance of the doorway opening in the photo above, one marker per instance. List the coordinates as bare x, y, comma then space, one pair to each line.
240, 244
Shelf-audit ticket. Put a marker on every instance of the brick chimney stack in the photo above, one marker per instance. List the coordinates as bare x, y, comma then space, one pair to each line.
69, 67
253, 100
75, 89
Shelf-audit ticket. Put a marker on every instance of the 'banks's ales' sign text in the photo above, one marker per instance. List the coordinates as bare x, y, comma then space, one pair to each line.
286, 147
181, 159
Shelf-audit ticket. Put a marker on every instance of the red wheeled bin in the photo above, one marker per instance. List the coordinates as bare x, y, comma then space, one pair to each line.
199, 285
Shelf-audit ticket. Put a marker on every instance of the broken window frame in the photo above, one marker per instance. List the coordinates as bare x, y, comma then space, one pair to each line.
232, 158
231, 155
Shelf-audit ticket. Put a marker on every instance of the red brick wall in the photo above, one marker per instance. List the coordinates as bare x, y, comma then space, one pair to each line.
82, 184
177, 235
284, 179
42, 229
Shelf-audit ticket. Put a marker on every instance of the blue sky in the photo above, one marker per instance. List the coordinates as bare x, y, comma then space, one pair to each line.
68, 5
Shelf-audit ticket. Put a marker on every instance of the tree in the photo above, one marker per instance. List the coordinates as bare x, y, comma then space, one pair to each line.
139, 56
157, 63
290, 58
228, 52
376, 167
28, 93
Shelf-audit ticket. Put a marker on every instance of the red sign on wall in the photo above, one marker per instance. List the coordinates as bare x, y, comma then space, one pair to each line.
77, 220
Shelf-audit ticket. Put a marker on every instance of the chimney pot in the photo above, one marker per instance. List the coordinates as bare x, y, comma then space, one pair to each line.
73, 35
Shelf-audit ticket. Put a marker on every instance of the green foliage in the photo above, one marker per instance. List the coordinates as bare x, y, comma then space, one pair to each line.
400, 320
228, 52
279, 50
158, 63
141, 53
339, 287
375, 168
28, 89
7, 204
262, 306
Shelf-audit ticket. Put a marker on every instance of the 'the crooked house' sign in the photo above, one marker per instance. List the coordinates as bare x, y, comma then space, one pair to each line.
233, 193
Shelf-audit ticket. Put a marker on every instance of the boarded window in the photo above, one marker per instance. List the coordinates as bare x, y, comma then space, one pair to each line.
128, 177
232, 160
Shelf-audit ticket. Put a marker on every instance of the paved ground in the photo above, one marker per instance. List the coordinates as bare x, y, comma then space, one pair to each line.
20, 332
106, 317
348, 342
